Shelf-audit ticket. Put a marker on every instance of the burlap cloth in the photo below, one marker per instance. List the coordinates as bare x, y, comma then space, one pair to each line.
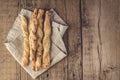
14, 41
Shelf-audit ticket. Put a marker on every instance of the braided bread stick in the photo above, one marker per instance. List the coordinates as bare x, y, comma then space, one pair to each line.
25, 58
33, 37
39, 39
46, 40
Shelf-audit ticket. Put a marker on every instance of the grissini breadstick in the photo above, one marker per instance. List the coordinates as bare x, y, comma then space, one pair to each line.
39, 40
26, 53
33, 37
46, 40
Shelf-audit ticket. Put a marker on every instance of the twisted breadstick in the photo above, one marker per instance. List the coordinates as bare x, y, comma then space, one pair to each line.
33, 37
46, 40
25, 58
39, 41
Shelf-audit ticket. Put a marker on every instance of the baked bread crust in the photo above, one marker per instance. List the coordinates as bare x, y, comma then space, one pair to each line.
26, 52
33, 37
39, 40
46, 40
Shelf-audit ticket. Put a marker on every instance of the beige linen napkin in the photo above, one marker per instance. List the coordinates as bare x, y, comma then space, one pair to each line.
14, 41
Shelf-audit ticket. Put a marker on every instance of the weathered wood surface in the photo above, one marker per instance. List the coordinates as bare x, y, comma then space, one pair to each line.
101, 39
92, 40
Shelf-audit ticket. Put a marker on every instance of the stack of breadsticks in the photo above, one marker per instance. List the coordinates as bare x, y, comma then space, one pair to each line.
36, 39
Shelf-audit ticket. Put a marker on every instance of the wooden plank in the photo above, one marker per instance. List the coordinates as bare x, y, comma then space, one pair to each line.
110, 39
100, 29
22, 73
59, 71
91, 39
7, 62
74, 70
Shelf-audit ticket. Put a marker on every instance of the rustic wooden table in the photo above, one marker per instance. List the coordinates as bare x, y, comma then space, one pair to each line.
92, 40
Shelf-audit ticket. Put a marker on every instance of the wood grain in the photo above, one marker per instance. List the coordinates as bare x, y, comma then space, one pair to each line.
92, 40
110, 39
100, 30
74, 70
8, 12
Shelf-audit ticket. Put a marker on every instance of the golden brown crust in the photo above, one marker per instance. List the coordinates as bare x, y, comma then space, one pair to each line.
25, 58
37, 45
39, 41
46, 40
33, 37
